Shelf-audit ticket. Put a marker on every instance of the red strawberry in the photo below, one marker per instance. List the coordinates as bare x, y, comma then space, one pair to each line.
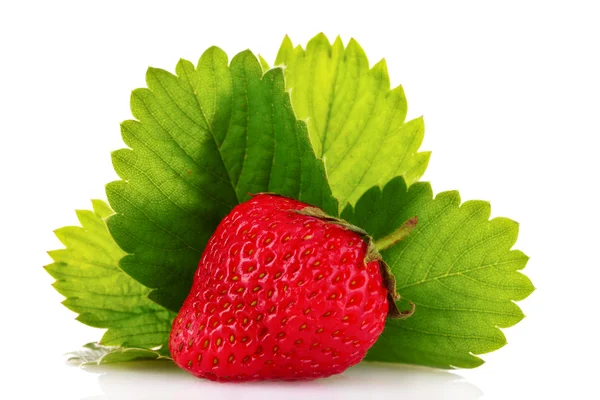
279, 294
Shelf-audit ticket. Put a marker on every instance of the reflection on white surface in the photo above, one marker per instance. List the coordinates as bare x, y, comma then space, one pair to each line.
163, 380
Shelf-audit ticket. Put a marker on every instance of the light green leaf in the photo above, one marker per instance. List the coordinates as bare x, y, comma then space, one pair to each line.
456, 266
204, 140
356, 123
96, 354
263, 63
87, 274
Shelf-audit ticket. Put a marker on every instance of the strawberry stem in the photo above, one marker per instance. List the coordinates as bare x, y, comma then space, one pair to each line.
403, 231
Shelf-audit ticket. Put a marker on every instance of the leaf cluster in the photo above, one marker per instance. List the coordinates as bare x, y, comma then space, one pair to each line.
323, 127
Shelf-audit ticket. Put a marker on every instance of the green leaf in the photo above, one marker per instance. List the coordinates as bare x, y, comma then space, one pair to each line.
87, 274
263, 63
456, 266
96, 354
204, 140
356, 123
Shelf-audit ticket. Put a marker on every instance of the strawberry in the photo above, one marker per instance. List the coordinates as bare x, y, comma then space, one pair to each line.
282, 292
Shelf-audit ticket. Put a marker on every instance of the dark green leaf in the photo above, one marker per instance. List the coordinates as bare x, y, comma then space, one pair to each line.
456, 266
204, 140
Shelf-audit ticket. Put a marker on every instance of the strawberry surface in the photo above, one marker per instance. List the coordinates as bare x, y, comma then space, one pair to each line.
279, 295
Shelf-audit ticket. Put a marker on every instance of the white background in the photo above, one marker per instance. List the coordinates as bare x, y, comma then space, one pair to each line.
510, 94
